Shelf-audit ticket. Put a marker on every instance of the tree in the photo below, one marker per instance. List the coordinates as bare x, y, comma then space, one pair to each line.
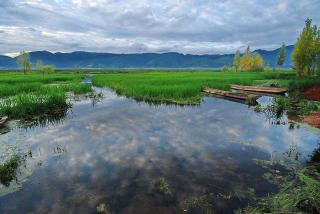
257, 63
306, 51
236, 60
317, 58
251, 61
45, 68
317, 70
48, 69
24, 62
245, 61
39, 65
282, 55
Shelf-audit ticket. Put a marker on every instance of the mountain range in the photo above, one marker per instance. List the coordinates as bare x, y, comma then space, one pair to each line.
81, 59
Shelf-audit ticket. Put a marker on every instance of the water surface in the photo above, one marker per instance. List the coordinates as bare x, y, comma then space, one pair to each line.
116, 151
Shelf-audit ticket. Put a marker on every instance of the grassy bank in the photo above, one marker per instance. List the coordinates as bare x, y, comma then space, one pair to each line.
181, 87
28, 105
25, 96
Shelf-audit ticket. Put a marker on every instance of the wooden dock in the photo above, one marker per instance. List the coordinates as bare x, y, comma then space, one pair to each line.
258, 89
228, 94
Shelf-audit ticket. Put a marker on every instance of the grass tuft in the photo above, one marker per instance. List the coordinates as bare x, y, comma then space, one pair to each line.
28, 105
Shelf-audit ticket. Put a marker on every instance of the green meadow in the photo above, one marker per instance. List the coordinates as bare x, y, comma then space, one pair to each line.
183, 87
36, 93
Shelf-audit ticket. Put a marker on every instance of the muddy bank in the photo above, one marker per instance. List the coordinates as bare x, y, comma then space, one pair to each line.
313, 119
312, 93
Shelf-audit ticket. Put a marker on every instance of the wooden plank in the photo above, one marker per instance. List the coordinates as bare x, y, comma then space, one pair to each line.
240, 96
260, 89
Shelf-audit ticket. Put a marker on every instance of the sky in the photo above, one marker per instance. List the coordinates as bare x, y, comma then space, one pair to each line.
136, 26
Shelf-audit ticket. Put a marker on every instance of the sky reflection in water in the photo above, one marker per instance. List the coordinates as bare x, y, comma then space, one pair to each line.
117, 150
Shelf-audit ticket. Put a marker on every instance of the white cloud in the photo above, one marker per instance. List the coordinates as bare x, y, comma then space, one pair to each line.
188, 26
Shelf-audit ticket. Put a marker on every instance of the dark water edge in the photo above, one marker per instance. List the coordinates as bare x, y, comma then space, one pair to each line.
117, 151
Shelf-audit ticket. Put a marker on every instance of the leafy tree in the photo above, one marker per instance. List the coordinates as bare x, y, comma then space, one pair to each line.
317, 58
257, 63
282, 55
24, 62
48, 69
306, 50
45, 68
236, 60
251, 61
245, 61
317, 69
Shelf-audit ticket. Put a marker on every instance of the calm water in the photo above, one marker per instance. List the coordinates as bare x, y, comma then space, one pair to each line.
116, 151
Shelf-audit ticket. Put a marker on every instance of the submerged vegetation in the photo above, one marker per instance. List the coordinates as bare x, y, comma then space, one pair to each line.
298, 193
197, 205
8, 170
12, 168
163, 187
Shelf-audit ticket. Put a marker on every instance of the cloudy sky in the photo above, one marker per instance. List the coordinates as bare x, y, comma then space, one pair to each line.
135, 26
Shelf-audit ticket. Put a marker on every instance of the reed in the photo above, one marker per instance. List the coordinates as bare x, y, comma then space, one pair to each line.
178, 86
28, 105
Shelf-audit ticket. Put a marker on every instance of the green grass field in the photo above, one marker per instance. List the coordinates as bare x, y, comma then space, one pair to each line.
24, 96
182, 87
15, 83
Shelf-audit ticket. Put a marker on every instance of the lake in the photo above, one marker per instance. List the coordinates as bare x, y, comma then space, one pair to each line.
124, 156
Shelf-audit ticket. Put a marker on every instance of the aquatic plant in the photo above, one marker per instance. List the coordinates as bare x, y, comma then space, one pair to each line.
12, 84
8, 170
163, 187
291, 105
26, 96
14, 89
180, 87
299, 195
197, 205
299, 190
76, 88
103, 208
15, 78
27, 105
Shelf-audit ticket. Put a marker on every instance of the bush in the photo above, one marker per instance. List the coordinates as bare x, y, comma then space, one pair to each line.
228, 69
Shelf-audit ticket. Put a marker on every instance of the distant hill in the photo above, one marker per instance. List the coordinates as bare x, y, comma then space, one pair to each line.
144, 60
